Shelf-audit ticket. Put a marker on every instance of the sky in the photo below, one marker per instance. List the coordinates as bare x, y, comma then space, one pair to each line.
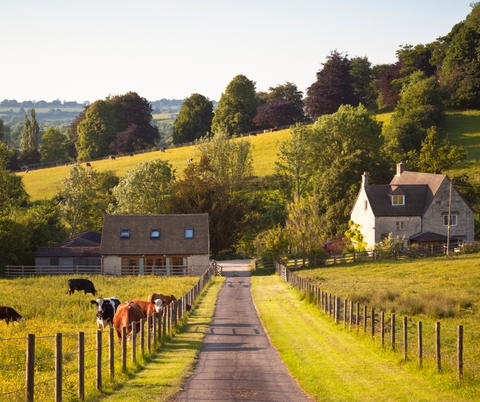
87, 50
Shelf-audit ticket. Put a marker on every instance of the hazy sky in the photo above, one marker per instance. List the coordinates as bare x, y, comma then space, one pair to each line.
86, 50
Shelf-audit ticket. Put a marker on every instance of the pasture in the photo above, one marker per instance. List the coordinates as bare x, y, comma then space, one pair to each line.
48, 309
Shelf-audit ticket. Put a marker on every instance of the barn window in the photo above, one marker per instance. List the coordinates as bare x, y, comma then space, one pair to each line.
189, 233
155, 233
453, 220
398, 200
125, 233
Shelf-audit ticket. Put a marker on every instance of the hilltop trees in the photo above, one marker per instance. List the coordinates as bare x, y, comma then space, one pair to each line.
194, 120
13, 192
237, 107
333, 87
278, 113
54, 146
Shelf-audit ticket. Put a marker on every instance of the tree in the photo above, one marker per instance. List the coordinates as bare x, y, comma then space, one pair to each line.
54, 146
294, 168
389, 86
230, 159
333, 87
96, 131
416, 59
363, 78
73, 132
13, 192
2, 130
278, 113
286, 92
237, 107
434, 156
144, 190
271, 244
194, 120
30, 131
200, 192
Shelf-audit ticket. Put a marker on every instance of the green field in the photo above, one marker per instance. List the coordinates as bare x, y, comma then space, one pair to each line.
48, 309
41, 184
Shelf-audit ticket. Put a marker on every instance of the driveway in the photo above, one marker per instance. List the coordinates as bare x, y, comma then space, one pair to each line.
237, 361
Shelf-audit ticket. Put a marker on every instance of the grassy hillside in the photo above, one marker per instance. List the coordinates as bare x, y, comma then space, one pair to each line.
41, 184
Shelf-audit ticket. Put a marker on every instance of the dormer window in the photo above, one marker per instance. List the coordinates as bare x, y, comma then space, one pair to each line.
125, 233
398, 200
155, 233
188, 233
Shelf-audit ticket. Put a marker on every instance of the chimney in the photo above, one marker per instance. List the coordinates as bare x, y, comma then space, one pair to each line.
365, 184
400, 168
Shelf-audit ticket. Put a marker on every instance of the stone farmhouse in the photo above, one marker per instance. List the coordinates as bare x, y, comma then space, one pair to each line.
414, 206
135, 245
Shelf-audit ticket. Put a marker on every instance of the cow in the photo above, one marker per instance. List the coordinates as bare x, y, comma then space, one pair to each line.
149, 308
165, 299
189, 160
88, 164
111, 157
131, 154
127, 314
106, 309
162, 150
81, 284
189, 307
10, 315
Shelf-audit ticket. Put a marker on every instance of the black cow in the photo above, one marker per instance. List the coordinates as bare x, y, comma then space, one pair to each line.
106, 309
9, 315
81, 284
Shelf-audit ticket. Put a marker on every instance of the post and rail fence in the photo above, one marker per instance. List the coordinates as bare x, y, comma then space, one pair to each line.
107, 351
446, 348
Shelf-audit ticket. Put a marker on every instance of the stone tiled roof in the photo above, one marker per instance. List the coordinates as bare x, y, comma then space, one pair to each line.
83, 245
379, 197
172, 235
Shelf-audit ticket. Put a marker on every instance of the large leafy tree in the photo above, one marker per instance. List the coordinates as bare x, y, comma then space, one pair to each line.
12, 192
194, 120
417, 59
278, 113
54, 146
230, 160
390, 85
286, 92
31, 131
333, 87
363, 81
73, 132
144, 190
237, 107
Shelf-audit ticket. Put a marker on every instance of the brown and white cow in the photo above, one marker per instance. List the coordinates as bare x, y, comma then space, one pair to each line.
10, 315
165, 299
149, 308
106, 309
127, 314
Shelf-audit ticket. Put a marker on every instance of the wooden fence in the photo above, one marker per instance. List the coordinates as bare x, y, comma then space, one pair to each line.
152, 329
447, 348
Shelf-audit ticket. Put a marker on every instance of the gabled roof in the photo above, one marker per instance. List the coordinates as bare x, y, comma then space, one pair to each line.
379, 197
84, 245
87, 239
172, 235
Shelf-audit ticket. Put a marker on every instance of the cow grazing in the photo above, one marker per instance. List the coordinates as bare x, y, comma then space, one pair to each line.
81, 284
162, 150
189, 307
127, 314
189, 160
10, 315
88, 164
131, 154
106, 309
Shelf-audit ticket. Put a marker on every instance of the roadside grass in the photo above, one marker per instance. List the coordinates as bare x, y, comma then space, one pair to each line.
333, 364
171, 364
43, 184
48, 309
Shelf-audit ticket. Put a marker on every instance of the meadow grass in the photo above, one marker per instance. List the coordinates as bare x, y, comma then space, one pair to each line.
48, 309
332, 364
44, 183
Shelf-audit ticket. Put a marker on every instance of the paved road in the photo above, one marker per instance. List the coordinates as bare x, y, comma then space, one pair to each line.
237, 361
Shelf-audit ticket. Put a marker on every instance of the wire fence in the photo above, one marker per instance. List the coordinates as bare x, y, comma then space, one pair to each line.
62, 364
448, 349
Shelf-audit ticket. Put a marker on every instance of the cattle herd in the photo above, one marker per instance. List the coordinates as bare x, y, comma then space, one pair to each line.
109, 311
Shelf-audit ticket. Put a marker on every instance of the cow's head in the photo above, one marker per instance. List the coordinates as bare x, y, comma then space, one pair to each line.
158, 305
101, 303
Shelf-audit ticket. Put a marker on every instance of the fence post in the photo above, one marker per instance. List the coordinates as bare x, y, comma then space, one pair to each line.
81, 366
382, 328
420, 344
365, 319
142, 336
111, 353
58, 367
99, 360
159, 327
405, 338
351, 315
392, 324
437, 346
373, 323
460, 353
30, 371
164, 315
358, 315
256, 265
149, 335
124, 349
134, 342
154, 328
344, 312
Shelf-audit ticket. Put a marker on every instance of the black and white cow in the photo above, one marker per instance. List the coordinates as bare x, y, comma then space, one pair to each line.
106, 309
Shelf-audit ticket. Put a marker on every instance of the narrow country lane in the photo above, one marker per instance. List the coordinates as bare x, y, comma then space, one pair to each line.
237, 361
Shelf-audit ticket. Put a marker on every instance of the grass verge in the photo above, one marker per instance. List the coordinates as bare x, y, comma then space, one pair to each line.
170, 366
332, 364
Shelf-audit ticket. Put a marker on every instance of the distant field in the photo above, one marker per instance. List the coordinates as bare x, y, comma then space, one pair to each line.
41, 184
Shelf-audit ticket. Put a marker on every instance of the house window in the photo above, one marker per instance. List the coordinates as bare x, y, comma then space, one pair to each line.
400, 225
366, 205
453, 220
189, 233
398, 200
125, 233
155, 233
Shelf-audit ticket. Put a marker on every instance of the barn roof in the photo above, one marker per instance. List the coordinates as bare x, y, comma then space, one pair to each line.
83, 245
171, 240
